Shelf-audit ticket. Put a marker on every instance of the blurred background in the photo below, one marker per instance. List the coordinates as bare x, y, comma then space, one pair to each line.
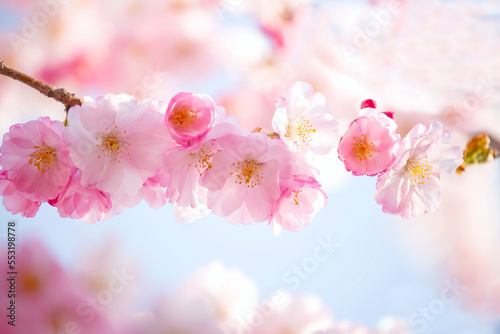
424, 60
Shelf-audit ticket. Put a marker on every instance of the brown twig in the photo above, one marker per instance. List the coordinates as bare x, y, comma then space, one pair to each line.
59, 94
494, 144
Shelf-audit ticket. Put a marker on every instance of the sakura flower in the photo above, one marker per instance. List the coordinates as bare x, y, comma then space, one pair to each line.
117, 143
297, 314
385, 326
186, 165
79, 202
52, 297
303, 120
36, 159
174, 315
14, 202
189, 117
246, 177
153, 193
298, 204
411, 186
189, 214
370, 144
228, 293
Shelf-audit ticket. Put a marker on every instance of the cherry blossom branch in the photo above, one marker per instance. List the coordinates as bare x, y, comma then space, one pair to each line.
59, 94
494, 143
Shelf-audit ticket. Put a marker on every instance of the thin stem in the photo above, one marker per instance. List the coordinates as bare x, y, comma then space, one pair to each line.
59, 94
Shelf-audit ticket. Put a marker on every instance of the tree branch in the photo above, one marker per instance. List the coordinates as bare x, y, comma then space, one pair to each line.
59, 94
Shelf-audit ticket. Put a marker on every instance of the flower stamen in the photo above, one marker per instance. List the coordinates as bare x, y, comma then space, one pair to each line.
113, 144
418, 171
203, 159
301, 131
183, 117
295, 198
43, 158
249, 171
362, 148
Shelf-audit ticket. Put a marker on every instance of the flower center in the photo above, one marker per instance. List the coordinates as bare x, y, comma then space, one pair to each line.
183, 117
29, 283
362, 148
300, 132
43, 158
418, 171
249, 171
113, 144
202, 159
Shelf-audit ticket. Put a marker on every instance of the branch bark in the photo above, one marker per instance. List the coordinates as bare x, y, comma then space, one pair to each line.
59, 94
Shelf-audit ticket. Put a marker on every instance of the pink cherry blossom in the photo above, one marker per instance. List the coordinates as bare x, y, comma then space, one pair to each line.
189, 117
174, 315
298, 204
52, 297
185, 165
189, 214
386, 325
79, 202
411, 186
246, 177
36, 158
304, 121
117, 143
301, 314
13, 201
228, 293
153, 193
370, 144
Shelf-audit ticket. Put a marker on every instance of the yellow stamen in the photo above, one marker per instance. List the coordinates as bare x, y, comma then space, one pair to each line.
43, 158
183, 117
249, 171
418, 171
362, 148
295, 198
300, 132
29, 283
113, 144
203, 159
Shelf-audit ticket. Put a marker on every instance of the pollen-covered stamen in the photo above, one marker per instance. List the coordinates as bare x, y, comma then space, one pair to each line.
183, 117
43, 157
418, 170
295, 198
248, 171
301, 132
202, 160
362, 148
113, 144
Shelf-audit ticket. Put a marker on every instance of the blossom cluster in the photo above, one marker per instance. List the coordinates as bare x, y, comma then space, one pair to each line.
408, 169
104, 294
117, 151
